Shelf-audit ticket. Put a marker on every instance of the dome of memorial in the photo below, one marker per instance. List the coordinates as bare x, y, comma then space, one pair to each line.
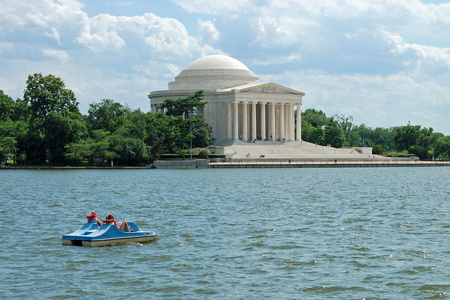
213, 72
216, 62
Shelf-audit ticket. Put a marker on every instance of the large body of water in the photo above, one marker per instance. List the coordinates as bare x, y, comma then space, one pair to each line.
378, 233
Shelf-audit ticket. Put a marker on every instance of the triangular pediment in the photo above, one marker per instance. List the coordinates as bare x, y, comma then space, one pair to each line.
264, 88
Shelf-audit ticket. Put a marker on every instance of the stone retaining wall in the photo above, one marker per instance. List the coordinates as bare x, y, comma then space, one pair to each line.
181, 164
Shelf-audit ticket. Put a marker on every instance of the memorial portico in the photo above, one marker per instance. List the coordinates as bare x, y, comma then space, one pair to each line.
239, 106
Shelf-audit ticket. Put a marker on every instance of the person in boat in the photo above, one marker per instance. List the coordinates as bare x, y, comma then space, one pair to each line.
123, 226
93, 218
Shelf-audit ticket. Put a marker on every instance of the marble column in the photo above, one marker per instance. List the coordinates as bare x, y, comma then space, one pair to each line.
299, 121
272, 120
229, 122
292, 123
253, 120
244, 121
206, 112
263, 120
236, 121
281, 121
287, 122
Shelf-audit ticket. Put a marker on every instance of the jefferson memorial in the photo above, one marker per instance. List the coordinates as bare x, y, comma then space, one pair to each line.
249, 118
239, 106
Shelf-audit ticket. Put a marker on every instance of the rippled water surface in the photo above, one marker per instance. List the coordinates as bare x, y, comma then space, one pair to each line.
378, 233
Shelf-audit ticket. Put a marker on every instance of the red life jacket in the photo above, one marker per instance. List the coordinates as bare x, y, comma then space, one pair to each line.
110, 221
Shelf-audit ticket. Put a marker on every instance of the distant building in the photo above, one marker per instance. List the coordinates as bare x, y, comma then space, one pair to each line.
240, 107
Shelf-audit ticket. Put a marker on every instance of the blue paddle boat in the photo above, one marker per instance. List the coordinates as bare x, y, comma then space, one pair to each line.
90, 235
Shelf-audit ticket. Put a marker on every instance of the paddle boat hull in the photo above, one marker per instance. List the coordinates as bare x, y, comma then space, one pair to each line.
90, 235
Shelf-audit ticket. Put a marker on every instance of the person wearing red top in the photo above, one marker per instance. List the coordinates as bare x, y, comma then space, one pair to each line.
122, 226
92, 218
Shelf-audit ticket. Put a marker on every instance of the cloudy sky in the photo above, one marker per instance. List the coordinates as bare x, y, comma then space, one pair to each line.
384, 62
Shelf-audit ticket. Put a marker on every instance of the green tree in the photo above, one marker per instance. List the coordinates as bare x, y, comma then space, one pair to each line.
355, 137
419, 151
377, 148
381, 136
442, 147
317, 136
184, 125
407, 136
48, 94
60, 131
163, 134
202, 133
346, 124
426, 137
7, 107
316, 118
203, 154
107, 115
313, 124
130, 151
152, 129
378, 136
54, 119
31, 148
97, 146
12, 126
7, 145
334, 135
183, 107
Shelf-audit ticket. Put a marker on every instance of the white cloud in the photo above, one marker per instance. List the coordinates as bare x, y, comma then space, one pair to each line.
289, 59
208, 32
378, 101
54, 34
381, 61
100, 34
430, 60
281, 32
104, 56
62, 56
215, 6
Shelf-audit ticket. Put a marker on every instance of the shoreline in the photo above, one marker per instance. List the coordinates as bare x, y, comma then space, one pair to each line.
329, 164
257, 163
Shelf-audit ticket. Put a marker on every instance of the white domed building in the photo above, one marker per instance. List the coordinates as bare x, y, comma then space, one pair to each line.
239, 106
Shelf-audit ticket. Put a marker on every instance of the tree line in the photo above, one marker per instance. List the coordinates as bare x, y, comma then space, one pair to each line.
339, 131
47, 128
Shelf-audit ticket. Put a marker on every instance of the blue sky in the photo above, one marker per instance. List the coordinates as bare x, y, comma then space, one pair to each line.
384, 62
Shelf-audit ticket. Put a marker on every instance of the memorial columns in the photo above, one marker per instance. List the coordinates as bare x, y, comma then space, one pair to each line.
272, 121
253, 137
244, 121
287, 120
299, 121
292, 123
229, 122
281, 122
263, 120
236, 121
